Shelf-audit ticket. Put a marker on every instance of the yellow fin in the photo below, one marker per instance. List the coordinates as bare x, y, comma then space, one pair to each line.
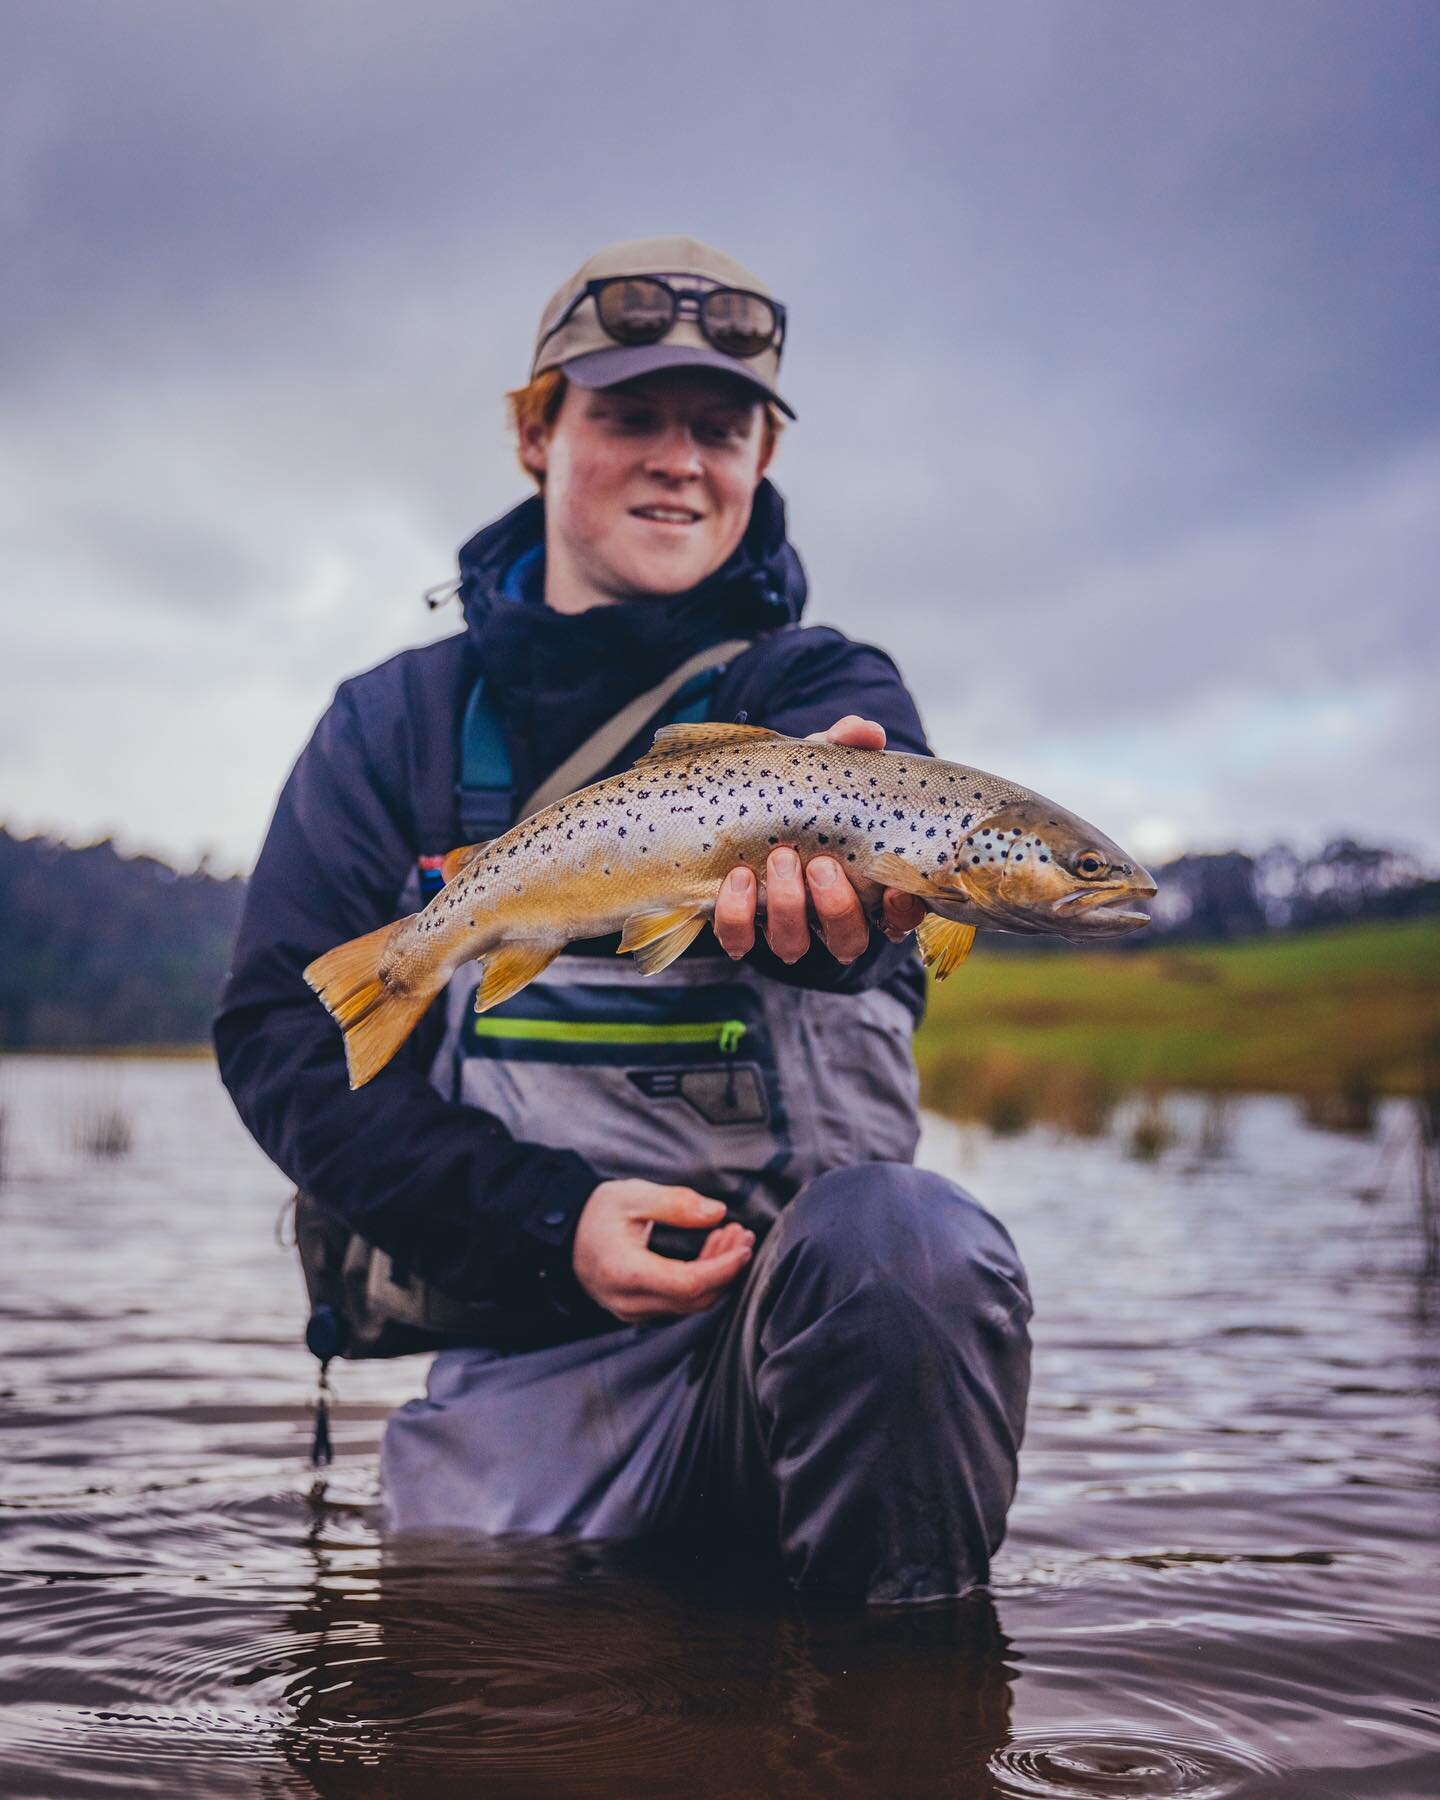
375, 1018
885, 866
506, 971
944, 943
683, 740
458, 860
657, 937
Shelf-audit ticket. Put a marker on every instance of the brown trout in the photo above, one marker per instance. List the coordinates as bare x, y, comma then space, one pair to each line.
644, 854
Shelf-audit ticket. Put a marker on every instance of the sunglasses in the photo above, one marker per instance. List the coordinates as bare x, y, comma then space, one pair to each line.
642, 309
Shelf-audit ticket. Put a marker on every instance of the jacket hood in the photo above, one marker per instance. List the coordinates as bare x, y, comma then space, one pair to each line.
760, 587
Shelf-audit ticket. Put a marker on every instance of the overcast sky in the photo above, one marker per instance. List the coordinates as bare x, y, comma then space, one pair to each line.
1112, 339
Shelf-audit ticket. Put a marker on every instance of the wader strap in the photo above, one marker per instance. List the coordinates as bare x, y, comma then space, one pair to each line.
485, 796
603, 746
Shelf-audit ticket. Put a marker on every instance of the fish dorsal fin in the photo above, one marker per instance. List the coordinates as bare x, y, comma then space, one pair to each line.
683, 740
944, 943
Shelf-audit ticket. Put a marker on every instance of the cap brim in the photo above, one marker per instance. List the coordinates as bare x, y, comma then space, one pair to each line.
608, 368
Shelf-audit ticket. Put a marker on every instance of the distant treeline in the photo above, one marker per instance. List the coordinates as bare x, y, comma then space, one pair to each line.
105, 949
102, 949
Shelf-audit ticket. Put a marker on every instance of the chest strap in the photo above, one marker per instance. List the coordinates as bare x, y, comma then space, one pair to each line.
486, 796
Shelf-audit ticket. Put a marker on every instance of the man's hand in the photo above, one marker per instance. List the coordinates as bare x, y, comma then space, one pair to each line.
843, 925
618, 1272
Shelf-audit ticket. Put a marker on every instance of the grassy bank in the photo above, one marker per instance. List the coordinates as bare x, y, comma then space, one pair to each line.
1338, 1017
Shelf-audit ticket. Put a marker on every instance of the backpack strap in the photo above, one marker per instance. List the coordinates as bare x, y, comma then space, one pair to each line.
485, 793
602, 747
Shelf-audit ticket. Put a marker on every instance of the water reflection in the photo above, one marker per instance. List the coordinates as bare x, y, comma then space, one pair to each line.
520, 1666
1220, 1577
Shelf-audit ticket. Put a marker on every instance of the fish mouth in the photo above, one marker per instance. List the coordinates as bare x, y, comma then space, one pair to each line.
1102, 911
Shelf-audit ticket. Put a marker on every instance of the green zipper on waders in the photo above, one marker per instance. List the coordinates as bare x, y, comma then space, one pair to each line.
724, 1034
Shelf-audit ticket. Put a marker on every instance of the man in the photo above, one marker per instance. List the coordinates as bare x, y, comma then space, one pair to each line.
841, 1364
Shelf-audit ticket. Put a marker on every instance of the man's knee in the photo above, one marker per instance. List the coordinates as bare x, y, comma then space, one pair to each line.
889, 1228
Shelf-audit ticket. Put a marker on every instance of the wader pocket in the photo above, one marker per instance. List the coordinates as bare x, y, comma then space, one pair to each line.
673, 1083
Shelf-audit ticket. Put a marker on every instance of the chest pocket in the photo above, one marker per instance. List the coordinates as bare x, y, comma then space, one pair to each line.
676, 1081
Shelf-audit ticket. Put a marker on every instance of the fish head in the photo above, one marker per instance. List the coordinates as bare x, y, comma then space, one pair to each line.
1033, 867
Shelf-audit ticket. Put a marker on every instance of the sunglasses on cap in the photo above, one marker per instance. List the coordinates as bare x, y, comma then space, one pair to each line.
642, 309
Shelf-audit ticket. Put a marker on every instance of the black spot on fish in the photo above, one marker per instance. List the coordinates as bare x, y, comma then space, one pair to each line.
850, 857
942, 857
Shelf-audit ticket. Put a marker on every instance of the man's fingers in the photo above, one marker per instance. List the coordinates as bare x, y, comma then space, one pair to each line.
728, 1237
680, 1206
786, 928
858, 733
903, 912
663, 1287
843, 924
734, 922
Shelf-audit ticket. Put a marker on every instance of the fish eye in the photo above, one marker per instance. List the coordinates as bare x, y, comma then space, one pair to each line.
1090, 863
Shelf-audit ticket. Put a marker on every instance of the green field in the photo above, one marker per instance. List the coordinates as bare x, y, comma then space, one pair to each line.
1338, 1017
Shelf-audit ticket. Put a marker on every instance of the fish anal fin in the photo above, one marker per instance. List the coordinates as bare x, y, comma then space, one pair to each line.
944, 943
893, 871
455, 862
375, 1016
683, 740
508, 968
655, 938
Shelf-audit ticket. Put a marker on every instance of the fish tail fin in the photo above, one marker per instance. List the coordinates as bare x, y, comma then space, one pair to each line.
376, 1014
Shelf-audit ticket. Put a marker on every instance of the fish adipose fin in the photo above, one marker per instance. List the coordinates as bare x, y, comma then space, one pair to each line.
944, 943
885, 866
457, 861
682, 740
508, 969
656, 938
375, 1019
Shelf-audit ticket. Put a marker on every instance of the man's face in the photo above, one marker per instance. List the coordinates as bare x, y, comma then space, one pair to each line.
648, 486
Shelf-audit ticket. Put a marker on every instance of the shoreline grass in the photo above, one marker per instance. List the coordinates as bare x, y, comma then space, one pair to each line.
1339, 1018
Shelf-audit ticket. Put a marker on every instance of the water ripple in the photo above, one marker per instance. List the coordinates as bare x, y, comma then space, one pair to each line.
1097, 1765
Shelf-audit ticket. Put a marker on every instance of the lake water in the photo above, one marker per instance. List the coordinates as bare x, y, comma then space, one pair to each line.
1221, 1575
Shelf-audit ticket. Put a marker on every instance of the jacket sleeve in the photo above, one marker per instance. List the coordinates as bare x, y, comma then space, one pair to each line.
442, 1186
825, 676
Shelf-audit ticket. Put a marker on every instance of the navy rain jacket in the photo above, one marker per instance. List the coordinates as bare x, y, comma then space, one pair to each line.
444, 1188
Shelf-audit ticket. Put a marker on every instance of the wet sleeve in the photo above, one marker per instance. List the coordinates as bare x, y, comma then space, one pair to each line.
830, 677
442, 1187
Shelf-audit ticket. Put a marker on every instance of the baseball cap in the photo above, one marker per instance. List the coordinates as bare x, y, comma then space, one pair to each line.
591, 358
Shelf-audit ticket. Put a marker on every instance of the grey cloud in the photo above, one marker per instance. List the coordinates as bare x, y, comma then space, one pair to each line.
1112, 345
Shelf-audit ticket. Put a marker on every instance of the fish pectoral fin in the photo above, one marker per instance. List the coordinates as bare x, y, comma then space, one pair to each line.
893, 871
507, 969
656, 937
456, 861
944, 944
683, 740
